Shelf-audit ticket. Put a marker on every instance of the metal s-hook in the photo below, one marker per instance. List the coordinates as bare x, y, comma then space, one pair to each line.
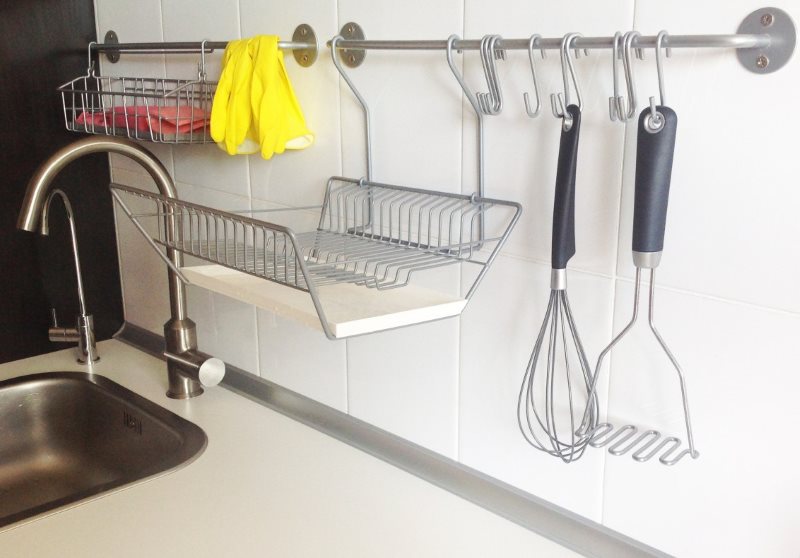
655, 121
616, 103
90, 62
559, 102
533, 113
201, 67
627, 64
491, 103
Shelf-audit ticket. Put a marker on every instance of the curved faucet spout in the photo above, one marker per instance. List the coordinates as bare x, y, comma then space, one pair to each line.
39, 187
179, 331
45, 231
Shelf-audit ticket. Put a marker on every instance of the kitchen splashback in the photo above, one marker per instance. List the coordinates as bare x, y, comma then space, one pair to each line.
728, 301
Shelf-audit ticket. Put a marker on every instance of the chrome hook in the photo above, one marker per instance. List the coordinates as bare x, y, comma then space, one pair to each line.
533, 113
616, 103
90, 63
201, 67
655, 121
473, 101
558, 101
627, 64
491, 103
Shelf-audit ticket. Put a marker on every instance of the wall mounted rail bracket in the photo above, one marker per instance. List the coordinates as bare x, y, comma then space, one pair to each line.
111, 39
352, 57
783, 36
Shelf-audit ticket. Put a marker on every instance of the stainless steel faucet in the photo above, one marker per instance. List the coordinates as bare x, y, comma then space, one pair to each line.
187, 368
83, 332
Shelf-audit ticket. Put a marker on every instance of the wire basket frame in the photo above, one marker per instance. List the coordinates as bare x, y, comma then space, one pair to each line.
369, 234
161, 110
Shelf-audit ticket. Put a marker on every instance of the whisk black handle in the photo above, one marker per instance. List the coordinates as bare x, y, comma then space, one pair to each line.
654, 151
564, 202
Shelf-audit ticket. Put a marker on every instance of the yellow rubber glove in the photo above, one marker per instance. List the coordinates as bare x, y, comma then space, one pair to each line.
219, 109
255, 107
280, 121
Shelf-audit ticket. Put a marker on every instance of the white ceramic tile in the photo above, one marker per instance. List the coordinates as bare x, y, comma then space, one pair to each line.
521, 153
227, 326
739, 497
210, 167
201, 311
733, 206
299, 220
187, 20
414, 100
299, 177
163, 152
498, 331
406, 381
303, 360
236, 333
143, 273
133, 22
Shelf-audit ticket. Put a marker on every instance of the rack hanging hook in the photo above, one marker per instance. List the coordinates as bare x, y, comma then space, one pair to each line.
90, 62
533, 113
627, 64
473, 101
656, 120
491, 103
560, 101
364, 107
201, 67
616, 103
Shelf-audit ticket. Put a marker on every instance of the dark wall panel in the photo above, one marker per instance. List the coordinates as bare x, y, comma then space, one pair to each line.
42, 45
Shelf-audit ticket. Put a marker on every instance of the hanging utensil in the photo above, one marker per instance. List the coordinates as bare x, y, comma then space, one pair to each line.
549, 406
654, 153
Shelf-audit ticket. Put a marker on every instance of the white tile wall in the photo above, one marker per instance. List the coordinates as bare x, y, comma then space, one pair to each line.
728, 301
497, 336
739, 497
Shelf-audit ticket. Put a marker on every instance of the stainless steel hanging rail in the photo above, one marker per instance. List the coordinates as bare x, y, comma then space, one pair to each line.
188, 46
303, 46
764, 42
588, 43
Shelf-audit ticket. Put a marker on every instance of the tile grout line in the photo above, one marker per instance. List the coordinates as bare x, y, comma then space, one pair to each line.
337, 9
461, 268
254, 309
615, 279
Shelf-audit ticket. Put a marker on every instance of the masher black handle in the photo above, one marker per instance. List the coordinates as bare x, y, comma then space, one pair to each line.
564, 202
654, 153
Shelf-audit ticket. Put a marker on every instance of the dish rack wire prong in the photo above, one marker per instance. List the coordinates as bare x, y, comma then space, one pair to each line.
160, 110
377, 236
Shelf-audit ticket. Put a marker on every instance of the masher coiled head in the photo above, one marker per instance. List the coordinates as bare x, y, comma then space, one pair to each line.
556, 403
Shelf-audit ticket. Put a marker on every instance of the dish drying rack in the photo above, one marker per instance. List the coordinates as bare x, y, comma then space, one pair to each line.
370, 237
159, 110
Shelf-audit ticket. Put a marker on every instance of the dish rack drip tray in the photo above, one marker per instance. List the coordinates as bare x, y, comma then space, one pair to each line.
358, 272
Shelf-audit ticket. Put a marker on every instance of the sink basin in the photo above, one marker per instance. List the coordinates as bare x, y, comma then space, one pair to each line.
67, 436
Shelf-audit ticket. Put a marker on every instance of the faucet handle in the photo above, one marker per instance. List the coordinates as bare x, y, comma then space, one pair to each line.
209, 371
58, 334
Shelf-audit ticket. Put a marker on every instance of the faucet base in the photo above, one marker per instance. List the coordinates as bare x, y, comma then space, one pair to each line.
181, 337
181, 386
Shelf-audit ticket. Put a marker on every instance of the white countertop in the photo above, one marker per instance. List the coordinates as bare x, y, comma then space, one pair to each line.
265, 486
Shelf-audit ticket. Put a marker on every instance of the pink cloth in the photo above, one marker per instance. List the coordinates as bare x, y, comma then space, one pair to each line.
161, 120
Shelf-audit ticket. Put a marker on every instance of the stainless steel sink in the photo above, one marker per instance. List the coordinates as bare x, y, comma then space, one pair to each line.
66, 436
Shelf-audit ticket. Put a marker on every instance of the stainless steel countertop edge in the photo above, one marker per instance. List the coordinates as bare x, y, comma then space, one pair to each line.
535, 514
